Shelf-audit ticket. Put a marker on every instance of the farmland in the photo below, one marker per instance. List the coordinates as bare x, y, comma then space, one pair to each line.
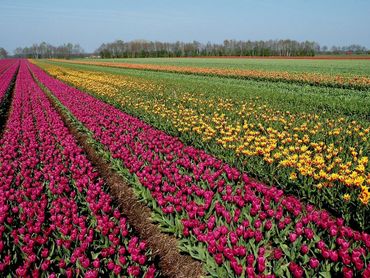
341, 66
284, 137
250, 167
54, 206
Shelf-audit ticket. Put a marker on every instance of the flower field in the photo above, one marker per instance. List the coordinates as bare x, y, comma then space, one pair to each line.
56, 216
196, 159
320, 158
312, 78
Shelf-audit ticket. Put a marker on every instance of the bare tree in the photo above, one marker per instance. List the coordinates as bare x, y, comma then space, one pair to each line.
46, 50
3, 53
143, 48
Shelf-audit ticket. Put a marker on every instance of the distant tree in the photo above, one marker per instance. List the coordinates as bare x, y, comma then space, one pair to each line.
335, 50
143, 48
349, 49
3, 53
46, 50
18, 52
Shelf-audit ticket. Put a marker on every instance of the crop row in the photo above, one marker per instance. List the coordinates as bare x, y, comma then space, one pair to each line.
320, 158
56, 216
5, 64
312, 78
235, 225
7, 72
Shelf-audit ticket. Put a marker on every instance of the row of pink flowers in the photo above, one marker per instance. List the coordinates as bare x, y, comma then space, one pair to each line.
8, 68
56, 216
6, 64
248, 228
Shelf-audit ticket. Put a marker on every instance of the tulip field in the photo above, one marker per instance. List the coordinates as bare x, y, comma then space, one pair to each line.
56, 216
307, 77
253, 172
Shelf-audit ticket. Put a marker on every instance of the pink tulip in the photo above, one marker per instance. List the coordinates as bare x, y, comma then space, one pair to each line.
304, 249
261, 264
314, 263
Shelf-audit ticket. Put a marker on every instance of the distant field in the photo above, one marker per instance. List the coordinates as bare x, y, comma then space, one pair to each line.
354, 104
337, 66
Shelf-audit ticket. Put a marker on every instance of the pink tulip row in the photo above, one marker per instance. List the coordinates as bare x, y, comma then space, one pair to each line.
248, 228
56, 217
5, 64
8, 68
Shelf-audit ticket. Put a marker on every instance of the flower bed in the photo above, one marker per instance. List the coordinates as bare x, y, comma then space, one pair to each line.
57, 217
235, 225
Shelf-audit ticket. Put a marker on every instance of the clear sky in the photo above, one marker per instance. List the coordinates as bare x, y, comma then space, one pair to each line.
92, 22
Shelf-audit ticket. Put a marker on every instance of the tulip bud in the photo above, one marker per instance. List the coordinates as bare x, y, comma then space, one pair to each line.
314, 263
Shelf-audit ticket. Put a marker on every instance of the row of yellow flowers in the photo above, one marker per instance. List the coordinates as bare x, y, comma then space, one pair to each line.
301, 77
316, 150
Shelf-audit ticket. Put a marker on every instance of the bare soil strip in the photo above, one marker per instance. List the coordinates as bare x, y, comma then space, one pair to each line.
164, 246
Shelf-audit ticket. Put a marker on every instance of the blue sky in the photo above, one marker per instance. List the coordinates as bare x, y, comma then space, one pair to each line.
329, 22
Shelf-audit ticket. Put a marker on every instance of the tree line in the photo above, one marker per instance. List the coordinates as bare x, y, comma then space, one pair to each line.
144, 48
46, 50
353, 48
